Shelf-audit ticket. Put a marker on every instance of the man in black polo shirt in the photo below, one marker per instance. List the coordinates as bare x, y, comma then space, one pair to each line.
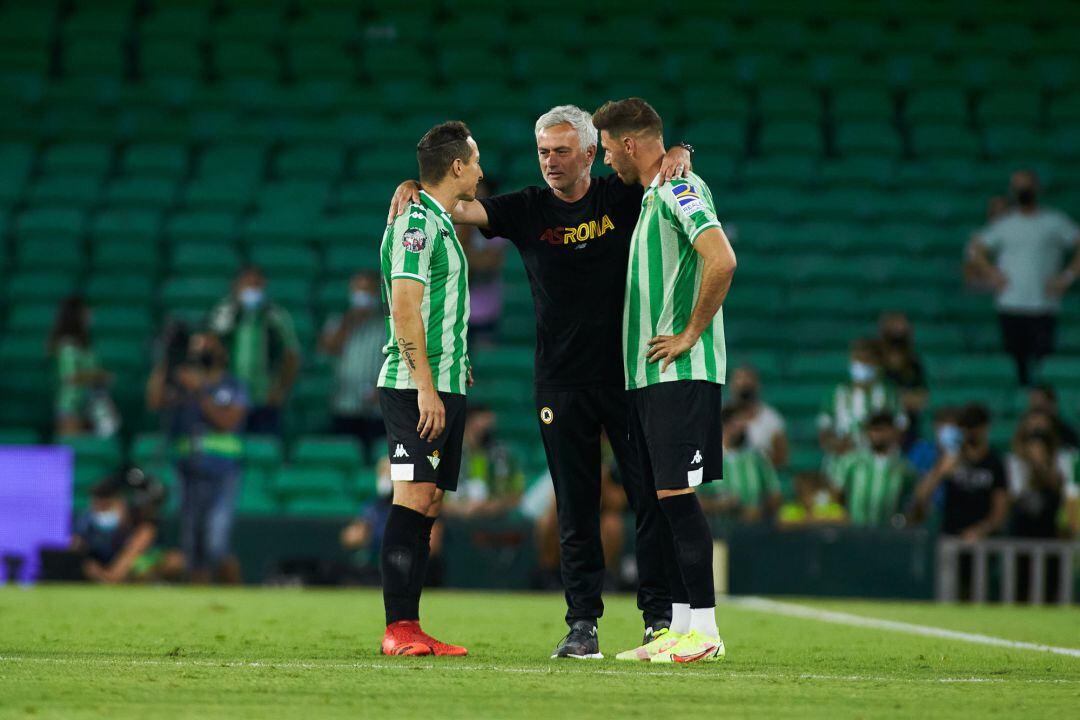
574, 238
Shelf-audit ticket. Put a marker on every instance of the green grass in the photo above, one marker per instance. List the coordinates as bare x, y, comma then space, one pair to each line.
251, 653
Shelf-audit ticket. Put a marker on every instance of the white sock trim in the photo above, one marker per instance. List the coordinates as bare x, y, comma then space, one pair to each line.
680, 618
703, 620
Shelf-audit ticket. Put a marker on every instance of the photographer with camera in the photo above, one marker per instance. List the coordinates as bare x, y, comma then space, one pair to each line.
206, 408
116, 536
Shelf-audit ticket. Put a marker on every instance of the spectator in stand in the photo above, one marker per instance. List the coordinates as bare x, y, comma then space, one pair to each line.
1040, 481
117, 540
262, 345
766, 429
903, 368
874, 481
491, 482
844, 414
82, 401
974, 490
1043, 398
813, 505
206, 409
750, 489
924, 453
364, 535
975, 276
356, 340
486, 257
1029, 277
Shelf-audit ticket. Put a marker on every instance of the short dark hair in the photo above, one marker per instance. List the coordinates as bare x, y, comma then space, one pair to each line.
440, 147
974, 415
106, 489
628, 117
867, 346
881, 418
1046, 390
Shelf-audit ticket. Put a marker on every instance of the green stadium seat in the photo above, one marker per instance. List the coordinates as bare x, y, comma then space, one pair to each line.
279, 225
331, 295
201, 227
62, 225
1020, 143
246, 59
321, 24
249, 24
192, 293
759, 70
124, 354
40, 286
362, 484
791, 138
168, 160
1060, 371
280, 260
867, 138
93, 57
862, 104
255, 498
822, 367
797, 102
945, 140
128, 287
233, 191
113, 255
134, 226
100, 450
262, 452
88, 473
340, 453
123, 320
70, 190
205, 257
382, 61
140, 193
795, 171
945, 106
291, 482
311, 161
350, 228
18, 436
76, 157
32, 319
858, 171
473, 62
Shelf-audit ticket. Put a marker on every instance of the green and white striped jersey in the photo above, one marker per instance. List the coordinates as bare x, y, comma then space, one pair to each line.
749, 476
421, 245
873, 485
662, 284
849, 406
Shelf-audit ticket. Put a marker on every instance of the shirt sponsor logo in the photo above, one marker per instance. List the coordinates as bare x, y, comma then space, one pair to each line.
584, 232
689, 199
414, 240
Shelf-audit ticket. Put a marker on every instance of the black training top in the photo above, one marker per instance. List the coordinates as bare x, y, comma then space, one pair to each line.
968, 492
575, 255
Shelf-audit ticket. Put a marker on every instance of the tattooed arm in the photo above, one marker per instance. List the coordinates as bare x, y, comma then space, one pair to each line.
410, 337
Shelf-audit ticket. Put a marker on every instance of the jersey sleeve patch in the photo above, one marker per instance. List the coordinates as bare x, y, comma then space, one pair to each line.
414, 240
688, 198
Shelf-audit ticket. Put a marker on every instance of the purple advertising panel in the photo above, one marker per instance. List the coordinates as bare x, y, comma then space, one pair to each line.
35, 505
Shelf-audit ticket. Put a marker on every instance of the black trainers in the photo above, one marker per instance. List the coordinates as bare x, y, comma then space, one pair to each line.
580, 643
650, 632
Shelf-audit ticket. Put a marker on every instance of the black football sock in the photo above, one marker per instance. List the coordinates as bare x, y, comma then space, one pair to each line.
423, 553
671, 563
693, 547
400, 556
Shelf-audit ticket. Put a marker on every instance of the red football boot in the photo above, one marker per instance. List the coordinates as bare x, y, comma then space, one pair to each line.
440, 648
404, 637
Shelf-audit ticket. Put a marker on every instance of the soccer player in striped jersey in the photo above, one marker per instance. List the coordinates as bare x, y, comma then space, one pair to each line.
874, 480
423, 379
681, 266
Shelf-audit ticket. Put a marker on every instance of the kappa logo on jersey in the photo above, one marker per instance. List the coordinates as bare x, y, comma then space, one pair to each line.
414, 240
417, 215
399, 451
584, 232
689, 200
433, 458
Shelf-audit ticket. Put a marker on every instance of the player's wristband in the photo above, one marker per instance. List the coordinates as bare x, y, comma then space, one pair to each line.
688, 146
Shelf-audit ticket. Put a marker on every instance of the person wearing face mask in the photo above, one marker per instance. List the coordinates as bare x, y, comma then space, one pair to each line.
765, 427
263, 348
355, 339
844, 414
1028, 246
206, 407
1041, 481
874, 481
750, 488
1043, 398
902, 367
117, 542
82, 400
974, 493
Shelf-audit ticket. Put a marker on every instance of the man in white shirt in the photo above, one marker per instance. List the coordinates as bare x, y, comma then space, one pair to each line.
1028, 246
766, 431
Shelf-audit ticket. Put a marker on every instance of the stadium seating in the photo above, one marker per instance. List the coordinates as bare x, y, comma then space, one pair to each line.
148, 150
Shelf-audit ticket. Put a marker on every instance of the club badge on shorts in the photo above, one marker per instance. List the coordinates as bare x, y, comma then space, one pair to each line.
546, 416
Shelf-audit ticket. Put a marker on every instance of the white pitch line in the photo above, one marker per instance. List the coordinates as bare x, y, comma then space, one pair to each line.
509, 670
775, 607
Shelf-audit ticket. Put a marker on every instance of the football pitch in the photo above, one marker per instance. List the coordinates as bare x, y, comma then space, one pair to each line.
148, 652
